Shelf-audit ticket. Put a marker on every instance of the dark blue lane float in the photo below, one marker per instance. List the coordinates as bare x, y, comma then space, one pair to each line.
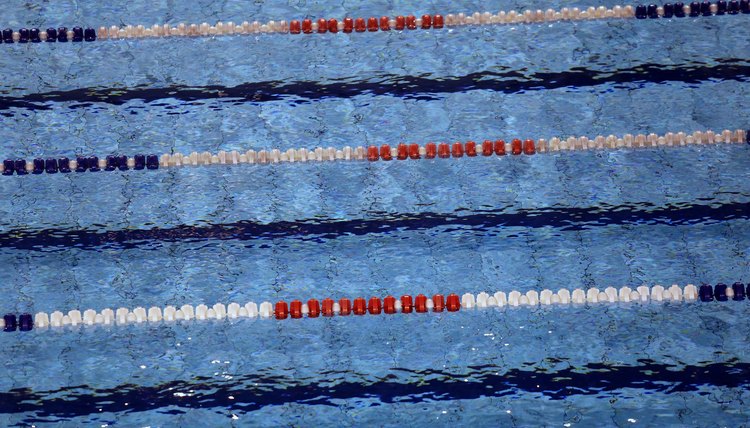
51, 35
721, 292
82, 164
693, 10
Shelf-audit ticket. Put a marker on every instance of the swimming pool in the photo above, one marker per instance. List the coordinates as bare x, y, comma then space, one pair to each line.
207, 234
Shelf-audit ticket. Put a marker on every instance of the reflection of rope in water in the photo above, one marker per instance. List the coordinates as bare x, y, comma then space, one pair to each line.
373, 24
371, 153
376, 306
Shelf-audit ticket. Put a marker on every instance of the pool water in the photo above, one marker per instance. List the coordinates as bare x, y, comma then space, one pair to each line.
239, 233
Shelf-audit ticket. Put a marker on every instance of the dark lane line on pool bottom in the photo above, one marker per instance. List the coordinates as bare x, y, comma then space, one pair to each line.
249, 393
562, 218
409, 87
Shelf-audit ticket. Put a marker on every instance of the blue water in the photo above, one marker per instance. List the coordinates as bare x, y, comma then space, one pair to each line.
222, 234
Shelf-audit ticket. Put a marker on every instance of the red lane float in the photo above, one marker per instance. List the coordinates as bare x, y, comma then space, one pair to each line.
445, 150
359, 25
426, 22
487, 148
431, 150
281, 310
414, 151
437, 21
406, 304
385, 23
360, 307
348, 25
371, 24
385, 152
372, 154
402, 152
373, 307
500, 148
294, 27
458, 150
515, 147
438, 302
345, 306
453, 303
313, 308
295, 309
528, 147
389, 305
411, 22
333, 25
400, 23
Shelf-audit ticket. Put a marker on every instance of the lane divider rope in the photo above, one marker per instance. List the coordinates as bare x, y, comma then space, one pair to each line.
314, 308
371, 153
375, 24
